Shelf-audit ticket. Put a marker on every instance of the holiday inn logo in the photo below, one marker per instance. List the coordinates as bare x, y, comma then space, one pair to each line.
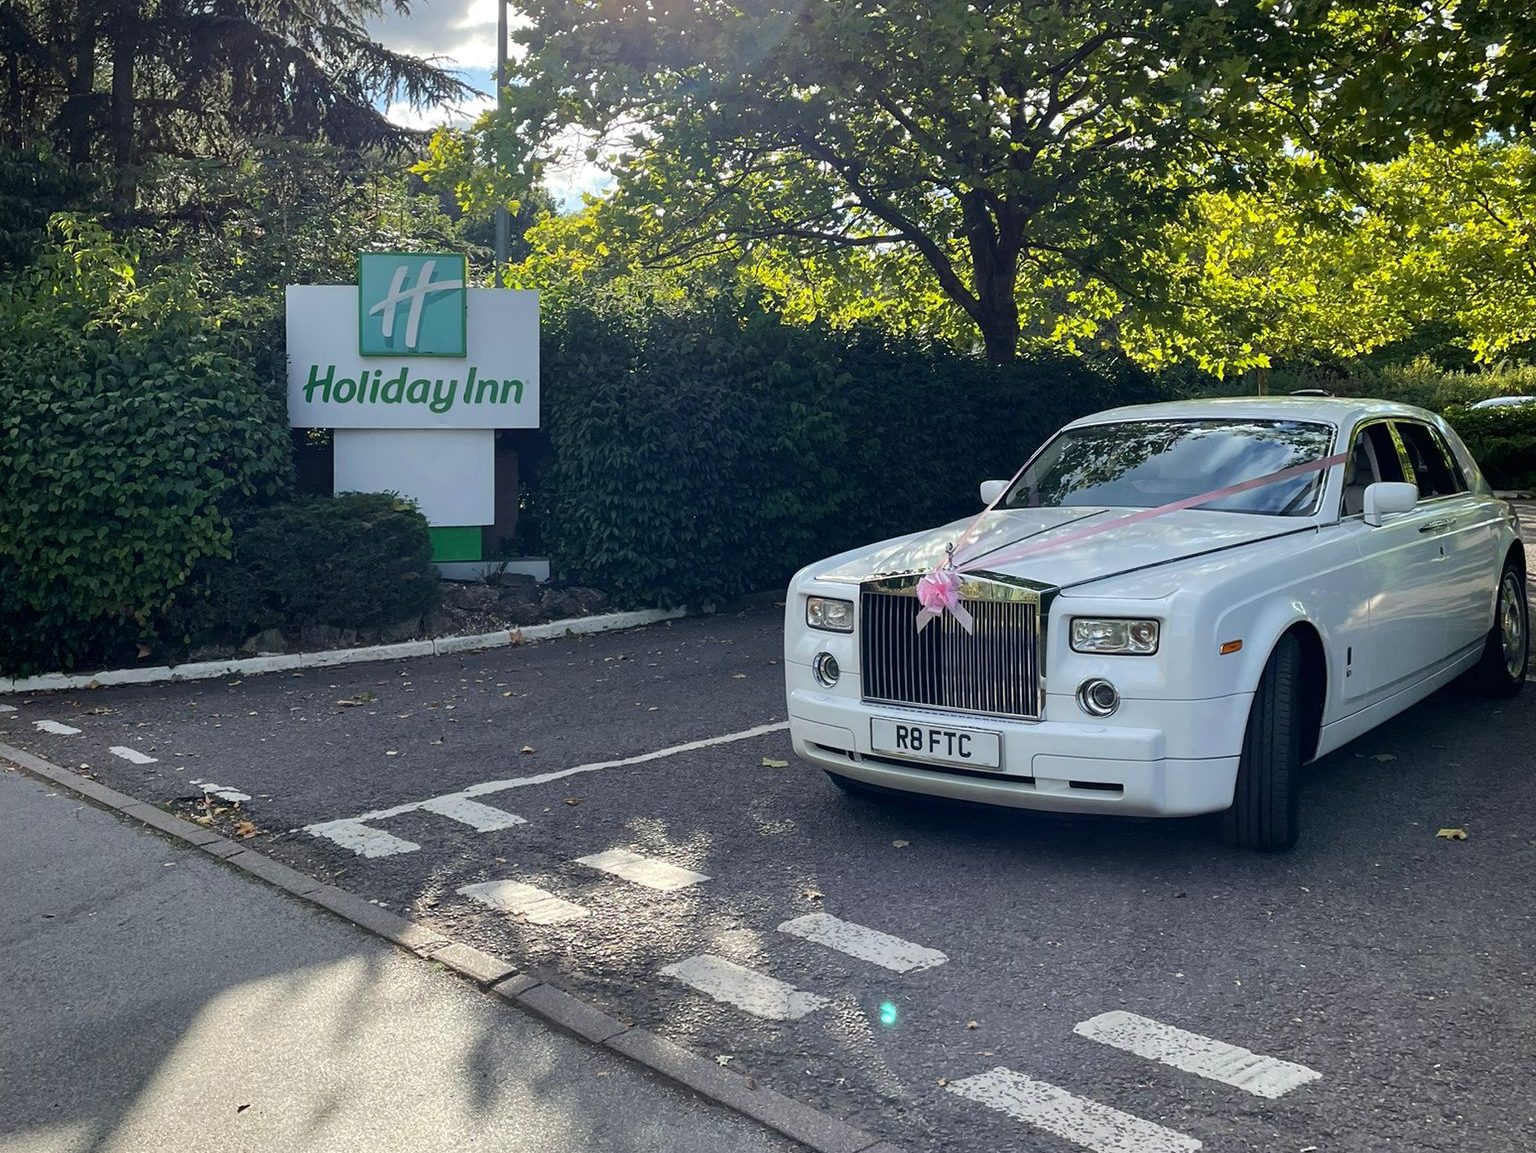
412, 303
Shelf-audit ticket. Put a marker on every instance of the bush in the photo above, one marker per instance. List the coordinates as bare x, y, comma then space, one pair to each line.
1503, 440
700, 453
358, 561
128, 432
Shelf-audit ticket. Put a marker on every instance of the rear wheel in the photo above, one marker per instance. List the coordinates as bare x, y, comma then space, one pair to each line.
1506, 653
1265, 805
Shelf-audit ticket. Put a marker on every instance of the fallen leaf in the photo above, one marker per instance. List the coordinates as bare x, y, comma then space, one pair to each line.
751, 1082
811, 894
770, 763
242, 1108
738, 676
900, 844
245, 830
202, 819
508, 693
391, 752
943, 1081
529, 749
573, 800
144, 651
972, 1025
1385, 757
724, 1059
1452, 834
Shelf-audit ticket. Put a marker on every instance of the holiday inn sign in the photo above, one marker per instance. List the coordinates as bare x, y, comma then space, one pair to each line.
415, 371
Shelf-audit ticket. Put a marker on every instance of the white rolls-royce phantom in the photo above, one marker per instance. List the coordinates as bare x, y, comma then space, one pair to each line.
1168, 611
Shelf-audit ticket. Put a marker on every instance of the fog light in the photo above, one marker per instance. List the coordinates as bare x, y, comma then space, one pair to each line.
1097, 697
824, 669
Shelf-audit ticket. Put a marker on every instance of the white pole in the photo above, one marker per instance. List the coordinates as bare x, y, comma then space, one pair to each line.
502, 222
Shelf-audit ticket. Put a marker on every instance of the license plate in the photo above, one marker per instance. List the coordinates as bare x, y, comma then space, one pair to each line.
970, 748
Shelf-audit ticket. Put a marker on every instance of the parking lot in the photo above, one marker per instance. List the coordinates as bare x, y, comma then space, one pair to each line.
622, 816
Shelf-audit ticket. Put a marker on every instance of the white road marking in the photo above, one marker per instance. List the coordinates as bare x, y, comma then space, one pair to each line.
1216, 1060
481, 818
530, 901
353, 834
7, 708
647, 871
55, 728
362, 840
133, 755
864, 943
1077, 1119
734, 984
223, 792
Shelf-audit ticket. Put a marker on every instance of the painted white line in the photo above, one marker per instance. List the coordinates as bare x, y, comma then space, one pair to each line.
1216, 1060
1077, 1119
7, 708
223, 792
354, 834
647, 871
481, 818
133, 755
55, 728
734, 984
530, 901
864, 943
362, 840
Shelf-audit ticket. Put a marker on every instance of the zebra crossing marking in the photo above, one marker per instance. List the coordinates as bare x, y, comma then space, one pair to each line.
647, 871
752, 992
481, 818
7, 708
863, 942
133, 756
55, 728
528, 901
223, 792
1065, 1115
364, 840
1241, 1068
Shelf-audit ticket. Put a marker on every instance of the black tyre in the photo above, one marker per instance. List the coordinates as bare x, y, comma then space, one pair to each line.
1506, 653
1265, 803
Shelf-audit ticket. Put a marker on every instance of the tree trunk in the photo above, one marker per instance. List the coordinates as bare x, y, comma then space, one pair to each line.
82, 84
125, 48
994, 249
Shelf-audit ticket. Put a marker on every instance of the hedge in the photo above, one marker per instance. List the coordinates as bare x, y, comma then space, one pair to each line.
699, 454
1503, 441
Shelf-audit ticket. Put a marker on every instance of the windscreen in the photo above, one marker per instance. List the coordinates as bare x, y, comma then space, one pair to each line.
1146, 463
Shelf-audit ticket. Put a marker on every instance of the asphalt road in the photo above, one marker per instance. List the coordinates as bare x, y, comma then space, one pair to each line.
1397, 967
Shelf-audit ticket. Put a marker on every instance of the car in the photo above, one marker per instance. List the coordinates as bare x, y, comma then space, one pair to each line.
1168, 611
1505, 402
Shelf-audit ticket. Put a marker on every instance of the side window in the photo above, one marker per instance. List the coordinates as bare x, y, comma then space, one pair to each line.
1373, 457
1431, 461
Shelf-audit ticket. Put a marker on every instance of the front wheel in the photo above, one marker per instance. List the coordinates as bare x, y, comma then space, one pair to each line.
1506, 653
1265, 804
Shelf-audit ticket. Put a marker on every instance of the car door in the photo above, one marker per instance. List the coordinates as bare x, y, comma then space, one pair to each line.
1401, 631
1464, 530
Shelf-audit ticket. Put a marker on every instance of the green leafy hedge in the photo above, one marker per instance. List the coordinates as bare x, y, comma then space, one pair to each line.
1504, 442
128, 430
701, 453
358, 561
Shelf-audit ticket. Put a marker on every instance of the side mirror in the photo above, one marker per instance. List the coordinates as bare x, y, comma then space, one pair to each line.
991, 490
1386, 497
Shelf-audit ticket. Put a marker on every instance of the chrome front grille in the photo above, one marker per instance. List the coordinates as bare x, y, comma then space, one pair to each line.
995, 670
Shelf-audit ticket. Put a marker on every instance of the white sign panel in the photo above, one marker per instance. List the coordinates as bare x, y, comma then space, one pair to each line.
444, 471
331, 384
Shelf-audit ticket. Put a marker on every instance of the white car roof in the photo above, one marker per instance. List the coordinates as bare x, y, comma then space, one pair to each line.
1341, 411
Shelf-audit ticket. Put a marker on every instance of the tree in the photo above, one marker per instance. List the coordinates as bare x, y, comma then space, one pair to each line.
1003, 145
123, 82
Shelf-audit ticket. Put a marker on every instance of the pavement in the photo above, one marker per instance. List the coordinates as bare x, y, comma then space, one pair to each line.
157, 1000
621, 818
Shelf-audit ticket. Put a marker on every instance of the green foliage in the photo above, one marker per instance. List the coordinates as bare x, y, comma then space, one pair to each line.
34, 184
1503, 441
357, 561
128, 430
699, 453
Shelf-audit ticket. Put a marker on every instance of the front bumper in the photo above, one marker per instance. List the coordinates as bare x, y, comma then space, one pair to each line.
1122, 767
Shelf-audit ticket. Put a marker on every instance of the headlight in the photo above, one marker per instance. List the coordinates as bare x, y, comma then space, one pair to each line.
1100, 635
834, 616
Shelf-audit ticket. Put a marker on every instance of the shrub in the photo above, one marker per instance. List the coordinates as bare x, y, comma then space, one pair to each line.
357, 561
1503, 440
128, 432
702, 452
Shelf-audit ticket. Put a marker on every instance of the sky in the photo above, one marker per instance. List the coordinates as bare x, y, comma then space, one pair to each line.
461, 36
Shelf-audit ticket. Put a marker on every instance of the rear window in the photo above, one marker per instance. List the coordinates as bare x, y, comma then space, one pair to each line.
1143, 464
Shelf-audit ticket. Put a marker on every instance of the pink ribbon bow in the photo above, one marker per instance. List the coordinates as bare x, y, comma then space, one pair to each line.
939, 592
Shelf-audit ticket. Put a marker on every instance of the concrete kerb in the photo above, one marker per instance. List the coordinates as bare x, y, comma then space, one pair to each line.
285, 662
812, 1127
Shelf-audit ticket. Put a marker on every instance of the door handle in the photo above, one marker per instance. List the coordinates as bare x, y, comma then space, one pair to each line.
1436, 526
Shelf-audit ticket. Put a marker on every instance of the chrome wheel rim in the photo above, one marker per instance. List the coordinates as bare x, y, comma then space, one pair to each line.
1512, 625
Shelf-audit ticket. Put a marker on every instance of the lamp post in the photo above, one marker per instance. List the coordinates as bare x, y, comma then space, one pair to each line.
502, 222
